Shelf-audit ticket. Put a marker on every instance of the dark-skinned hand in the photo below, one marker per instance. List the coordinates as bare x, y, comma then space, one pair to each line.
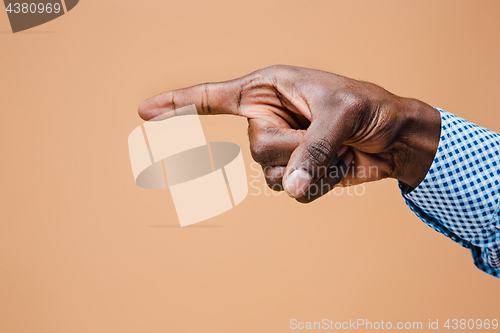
312, 130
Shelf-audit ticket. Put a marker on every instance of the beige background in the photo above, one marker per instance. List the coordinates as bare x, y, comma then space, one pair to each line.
83, 249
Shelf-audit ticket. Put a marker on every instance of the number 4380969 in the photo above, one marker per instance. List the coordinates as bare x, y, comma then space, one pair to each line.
33, 8
471, 324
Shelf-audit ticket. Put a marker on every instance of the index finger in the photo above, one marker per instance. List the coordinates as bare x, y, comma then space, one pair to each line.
209, 98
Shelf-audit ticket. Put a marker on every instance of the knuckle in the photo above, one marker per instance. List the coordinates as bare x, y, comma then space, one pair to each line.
275, 185
268, 172
259, 149
320, 152
274, 70
349, 100
205, 100
276, 67
274, 177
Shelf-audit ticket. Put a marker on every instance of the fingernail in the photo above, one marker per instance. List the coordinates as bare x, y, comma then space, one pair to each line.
348, 157
297, 183
341, 150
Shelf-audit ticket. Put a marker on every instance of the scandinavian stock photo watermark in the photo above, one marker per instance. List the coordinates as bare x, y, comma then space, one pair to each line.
330, 177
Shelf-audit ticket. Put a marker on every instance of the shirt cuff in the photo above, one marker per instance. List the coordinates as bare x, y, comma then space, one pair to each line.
459, 197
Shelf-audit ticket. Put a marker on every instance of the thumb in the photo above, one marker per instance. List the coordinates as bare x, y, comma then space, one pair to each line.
320, 148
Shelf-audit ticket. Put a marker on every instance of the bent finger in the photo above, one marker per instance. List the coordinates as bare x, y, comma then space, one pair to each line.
272, 145
274, 176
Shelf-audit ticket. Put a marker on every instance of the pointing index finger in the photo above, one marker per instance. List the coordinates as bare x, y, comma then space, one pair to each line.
209, 98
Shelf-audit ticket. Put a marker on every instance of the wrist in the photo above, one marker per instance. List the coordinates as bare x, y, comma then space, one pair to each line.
418, 141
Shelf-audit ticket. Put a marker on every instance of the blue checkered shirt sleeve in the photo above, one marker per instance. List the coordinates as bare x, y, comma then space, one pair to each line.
459, 196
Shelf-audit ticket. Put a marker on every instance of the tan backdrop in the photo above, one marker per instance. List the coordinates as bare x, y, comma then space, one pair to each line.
83, 249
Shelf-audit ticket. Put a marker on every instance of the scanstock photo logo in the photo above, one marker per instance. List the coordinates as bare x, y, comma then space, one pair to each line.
28, 14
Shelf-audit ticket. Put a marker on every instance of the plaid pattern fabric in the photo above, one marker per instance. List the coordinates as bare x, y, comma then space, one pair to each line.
460, 195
